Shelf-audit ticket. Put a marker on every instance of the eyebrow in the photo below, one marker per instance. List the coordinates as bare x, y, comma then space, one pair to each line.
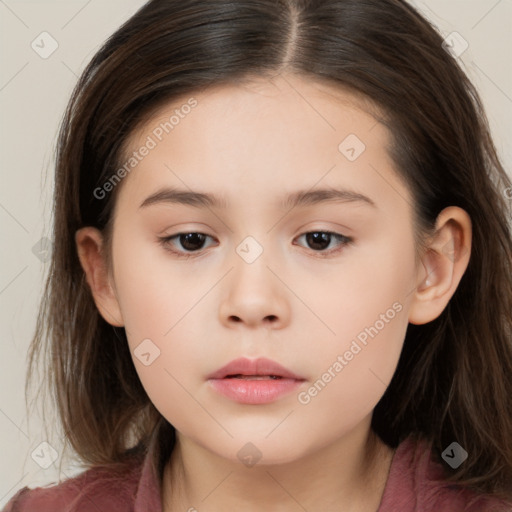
296, 199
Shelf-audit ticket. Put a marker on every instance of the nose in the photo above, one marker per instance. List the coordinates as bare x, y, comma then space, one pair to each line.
254, 296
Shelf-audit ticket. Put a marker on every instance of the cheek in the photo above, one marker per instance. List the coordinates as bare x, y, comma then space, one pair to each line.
368, 287
354, 371
160, 304
155, 292
366, 306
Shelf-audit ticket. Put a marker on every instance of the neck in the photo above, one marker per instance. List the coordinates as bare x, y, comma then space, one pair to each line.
349, 475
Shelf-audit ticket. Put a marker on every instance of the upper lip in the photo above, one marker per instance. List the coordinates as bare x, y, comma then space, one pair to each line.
260, 366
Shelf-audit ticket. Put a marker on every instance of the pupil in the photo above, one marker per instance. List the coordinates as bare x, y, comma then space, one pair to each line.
188, 240
316, 238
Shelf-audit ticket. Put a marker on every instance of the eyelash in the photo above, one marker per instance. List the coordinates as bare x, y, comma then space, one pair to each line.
166, 243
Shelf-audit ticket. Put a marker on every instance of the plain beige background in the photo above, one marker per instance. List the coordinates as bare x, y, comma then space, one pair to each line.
33, 95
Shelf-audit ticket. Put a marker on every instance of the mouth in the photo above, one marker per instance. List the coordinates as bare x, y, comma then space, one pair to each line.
254, 369
254, 381
253, 377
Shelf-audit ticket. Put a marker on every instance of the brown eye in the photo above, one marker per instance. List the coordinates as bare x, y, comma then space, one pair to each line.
184, 244
191, 241
319, 241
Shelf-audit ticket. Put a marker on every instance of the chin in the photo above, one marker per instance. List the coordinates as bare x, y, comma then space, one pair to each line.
251, 450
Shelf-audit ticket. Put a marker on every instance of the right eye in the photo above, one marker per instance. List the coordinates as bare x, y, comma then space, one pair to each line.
190, 241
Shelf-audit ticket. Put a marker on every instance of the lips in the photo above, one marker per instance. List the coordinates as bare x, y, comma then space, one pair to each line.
256, 369
254, 381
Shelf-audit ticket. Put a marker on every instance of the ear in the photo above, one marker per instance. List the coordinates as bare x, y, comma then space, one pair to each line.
442, 265
89, 244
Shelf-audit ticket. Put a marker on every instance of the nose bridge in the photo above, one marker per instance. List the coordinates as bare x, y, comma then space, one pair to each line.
251, 249
253, 262
253, 232
254, 293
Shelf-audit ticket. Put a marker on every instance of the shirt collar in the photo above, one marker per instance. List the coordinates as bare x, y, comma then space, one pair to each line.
149, 490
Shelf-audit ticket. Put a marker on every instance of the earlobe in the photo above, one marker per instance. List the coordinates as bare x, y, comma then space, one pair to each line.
442, 265
89, 244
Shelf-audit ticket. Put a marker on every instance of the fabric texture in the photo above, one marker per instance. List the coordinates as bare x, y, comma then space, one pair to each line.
415, 484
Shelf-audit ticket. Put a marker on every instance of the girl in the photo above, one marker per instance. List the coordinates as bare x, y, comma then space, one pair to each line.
339, 337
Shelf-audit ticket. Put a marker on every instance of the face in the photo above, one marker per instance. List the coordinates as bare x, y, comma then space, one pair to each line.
321, 286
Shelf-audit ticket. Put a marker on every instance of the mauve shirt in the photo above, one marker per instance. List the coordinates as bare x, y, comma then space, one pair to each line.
414, 485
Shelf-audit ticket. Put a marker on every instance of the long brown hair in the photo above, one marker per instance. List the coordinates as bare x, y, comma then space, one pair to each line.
454, 377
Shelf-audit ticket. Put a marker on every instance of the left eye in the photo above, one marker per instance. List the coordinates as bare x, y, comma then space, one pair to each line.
194, 241
322, 239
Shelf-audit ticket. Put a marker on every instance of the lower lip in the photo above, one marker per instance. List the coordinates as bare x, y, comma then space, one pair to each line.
247, 391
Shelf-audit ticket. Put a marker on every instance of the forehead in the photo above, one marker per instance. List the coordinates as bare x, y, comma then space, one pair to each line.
285, 133
253, 100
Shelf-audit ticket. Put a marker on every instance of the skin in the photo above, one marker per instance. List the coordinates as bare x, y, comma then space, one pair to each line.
253, 144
